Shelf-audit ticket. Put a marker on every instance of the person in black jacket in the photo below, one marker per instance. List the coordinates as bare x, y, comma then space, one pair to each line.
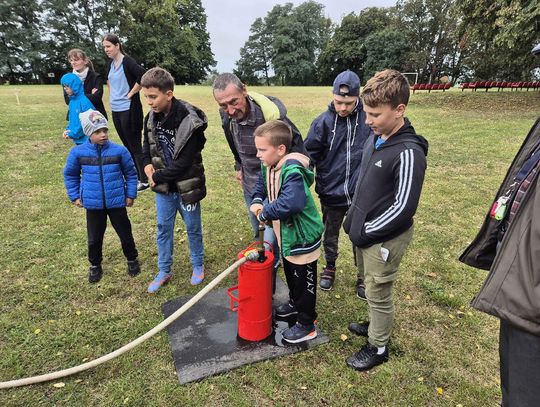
380, 219
92, 81
173, 141
334, 143
123, 79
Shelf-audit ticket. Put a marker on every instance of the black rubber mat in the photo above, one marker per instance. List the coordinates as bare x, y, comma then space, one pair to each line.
204, 340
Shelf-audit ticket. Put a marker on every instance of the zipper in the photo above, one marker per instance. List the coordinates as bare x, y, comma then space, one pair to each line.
100, 158
348, 164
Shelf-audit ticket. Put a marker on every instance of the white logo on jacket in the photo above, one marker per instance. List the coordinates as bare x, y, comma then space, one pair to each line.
379, 164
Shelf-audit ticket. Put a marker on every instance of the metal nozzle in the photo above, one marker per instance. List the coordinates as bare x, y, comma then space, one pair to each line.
260, 249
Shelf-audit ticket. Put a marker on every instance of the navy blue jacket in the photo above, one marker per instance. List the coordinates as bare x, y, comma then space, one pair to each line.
108, 175
335, 145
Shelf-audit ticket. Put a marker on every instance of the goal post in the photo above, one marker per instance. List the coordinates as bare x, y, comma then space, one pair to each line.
410, 76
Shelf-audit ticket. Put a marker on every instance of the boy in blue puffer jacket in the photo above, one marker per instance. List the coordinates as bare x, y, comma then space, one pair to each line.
78, 103
107, 185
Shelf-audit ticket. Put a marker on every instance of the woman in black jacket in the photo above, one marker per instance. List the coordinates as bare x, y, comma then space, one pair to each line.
92, 81
123, 79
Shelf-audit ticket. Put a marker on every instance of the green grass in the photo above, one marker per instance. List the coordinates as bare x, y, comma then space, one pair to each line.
438, 341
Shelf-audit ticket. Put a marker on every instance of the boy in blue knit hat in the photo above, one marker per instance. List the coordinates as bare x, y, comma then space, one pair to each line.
100, 176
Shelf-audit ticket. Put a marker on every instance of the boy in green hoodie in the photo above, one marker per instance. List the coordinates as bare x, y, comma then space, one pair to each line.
285, 180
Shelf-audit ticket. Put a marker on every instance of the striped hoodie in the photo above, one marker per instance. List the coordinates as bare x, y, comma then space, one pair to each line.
388, 189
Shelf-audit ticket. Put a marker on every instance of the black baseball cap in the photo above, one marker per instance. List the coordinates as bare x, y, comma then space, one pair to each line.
349, 79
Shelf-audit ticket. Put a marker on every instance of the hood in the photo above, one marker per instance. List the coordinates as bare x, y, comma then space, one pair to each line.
304, 162
407, 134
73, 81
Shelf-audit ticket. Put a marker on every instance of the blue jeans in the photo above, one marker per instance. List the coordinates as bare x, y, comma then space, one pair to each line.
269, 235
166, 208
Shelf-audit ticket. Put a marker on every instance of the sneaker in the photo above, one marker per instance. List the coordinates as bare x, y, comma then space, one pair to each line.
161, 279
327, 278
361, 289
366, 358
134, 267
198, 275
141, 186
286, 310
94, 274
359, 328
299, 333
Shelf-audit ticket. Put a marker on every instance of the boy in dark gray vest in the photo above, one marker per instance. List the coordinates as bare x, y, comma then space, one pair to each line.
173, 141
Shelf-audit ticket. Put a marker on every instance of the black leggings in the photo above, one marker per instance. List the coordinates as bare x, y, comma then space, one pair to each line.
131, 138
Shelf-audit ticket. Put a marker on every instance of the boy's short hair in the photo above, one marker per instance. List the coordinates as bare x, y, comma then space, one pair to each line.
277, 133
386, 87
158, 78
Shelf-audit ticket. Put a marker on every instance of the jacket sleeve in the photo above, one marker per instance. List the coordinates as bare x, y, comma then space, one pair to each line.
315, 146
409, 170
136, 71
96, 83
72, 176
258, 194
147, 157
226, 125
130, 174
184, 161
291, 200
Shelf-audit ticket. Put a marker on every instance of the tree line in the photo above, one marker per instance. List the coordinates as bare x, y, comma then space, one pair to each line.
457, 39
35, 36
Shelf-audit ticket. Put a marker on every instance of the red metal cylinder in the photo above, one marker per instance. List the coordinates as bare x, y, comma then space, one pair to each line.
254, 301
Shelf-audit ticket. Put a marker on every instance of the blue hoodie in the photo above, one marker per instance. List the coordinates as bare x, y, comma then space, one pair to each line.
78, 103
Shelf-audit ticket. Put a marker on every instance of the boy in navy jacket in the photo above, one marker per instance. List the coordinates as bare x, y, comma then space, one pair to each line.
334, 143
380, 219
285, 180
100, 176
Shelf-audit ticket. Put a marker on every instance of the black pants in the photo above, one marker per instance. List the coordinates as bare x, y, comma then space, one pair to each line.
302, 282
131, 138
519, 352
96, 223
332, 219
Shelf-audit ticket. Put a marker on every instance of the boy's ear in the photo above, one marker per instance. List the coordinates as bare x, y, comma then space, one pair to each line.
169, 94
400, 110
282, 150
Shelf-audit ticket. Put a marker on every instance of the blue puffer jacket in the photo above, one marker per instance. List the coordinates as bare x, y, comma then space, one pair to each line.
78, 103
335, 145
108, 175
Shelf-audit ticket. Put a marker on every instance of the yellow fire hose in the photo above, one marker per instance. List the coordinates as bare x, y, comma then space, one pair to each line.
251, 255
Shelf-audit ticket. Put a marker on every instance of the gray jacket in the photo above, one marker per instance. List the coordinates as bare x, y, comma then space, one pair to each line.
511, 291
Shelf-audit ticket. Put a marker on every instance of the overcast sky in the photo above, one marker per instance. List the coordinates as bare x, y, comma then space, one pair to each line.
229, 21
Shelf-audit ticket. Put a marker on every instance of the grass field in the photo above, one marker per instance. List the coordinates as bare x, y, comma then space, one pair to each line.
442, 352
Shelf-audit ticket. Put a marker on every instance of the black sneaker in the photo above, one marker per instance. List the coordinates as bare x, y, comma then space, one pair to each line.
359, 328
133, 267
361, 289
94, 274
327, 278
299, 333
286, 310
366, 358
